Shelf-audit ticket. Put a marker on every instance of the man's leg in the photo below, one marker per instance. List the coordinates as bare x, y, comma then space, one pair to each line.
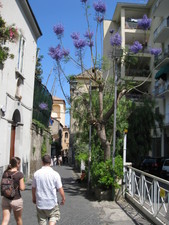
42, 218
54, 215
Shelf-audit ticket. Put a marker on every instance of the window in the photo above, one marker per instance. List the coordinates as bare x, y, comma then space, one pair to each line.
18, 88
21, 54
66, 135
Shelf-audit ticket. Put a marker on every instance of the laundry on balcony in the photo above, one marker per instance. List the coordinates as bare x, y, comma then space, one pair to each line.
162, 72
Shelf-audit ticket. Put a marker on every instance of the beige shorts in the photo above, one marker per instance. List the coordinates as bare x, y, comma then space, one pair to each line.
15, 205
52, 215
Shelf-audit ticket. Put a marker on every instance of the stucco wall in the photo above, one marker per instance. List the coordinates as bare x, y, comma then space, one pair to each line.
38, 136
13, 13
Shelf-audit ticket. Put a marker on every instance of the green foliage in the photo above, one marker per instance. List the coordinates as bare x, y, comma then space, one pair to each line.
42, 95
81, 152
43, 148
82, 156
38, 69
7, 33
103, 174
141, 121
39, 124
33, 151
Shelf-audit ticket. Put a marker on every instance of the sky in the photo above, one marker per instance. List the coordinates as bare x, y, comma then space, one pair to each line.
70, 13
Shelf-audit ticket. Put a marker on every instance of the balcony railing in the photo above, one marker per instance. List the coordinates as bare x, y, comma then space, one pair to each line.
165, 23
132, 24
138, 73
161, 57
161, 88
145, 49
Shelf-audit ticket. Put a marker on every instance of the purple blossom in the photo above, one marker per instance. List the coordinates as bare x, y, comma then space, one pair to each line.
99, 19
83, 1
144, 23
99, 6
56, 53
79, 43
136, 47
75, 35
43, 106
115, 40
155, 51
58, 29
90, 43
88, 35
111, 31
65, 52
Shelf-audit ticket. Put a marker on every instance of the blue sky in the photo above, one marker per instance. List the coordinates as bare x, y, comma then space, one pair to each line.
71, 15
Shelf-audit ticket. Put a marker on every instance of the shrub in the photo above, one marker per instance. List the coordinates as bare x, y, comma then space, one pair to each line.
104, 176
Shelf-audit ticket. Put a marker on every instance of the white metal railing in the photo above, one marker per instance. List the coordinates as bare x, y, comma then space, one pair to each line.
149, 193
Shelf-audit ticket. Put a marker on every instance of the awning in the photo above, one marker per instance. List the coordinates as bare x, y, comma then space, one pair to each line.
163, 70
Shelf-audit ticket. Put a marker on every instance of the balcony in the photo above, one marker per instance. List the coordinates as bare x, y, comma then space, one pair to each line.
133, 31
162, 59
138, 73
131, 24
161, 88
145, 52
160, 8
162, 32
162, 73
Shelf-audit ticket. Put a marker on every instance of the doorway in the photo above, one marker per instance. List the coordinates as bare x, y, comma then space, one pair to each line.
16, 118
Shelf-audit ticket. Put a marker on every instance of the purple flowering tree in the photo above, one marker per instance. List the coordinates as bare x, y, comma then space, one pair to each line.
155, 51
144, 23
99, 116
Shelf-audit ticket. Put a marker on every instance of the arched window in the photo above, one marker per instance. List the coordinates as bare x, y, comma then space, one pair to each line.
66, 135
16, 116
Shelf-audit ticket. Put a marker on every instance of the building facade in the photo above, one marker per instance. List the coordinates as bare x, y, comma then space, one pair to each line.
152, 70
60, 132
160, 83
17, 85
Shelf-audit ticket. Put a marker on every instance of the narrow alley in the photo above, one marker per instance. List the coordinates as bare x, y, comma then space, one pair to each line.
78, 209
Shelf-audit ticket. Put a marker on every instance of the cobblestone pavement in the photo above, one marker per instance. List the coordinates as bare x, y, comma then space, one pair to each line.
81, 210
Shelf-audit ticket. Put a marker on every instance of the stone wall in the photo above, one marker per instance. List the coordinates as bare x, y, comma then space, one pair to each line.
39, 136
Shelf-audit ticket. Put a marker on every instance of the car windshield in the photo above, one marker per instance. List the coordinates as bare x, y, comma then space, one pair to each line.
149, 160
166, 163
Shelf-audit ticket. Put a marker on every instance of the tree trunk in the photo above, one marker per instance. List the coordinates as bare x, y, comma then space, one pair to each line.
104, 142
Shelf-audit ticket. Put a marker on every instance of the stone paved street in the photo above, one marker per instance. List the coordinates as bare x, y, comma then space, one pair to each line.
79, 210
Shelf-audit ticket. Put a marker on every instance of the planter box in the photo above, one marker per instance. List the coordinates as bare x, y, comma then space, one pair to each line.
104, 195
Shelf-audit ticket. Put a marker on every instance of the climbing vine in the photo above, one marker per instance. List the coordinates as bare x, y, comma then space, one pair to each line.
7, 34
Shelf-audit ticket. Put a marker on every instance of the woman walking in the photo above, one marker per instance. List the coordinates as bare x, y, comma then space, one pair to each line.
13, 203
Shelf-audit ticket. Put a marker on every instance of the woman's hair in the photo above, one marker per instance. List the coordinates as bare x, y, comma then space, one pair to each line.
13, 163
18, 159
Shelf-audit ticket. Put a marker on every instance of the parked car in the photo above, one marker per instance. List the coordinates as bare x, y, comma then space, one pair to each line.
165, 169
152, 165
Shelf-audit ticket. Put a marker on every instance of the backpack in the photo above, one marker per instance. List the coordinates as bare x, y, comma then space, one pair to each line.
7, 186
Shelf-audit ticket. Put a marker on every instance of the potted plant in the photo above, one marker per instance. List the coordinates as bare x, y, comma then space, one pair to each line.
105, 178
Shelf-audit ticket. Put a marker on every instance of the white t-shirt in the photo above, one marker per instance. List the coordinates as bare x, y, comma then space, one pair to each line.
46, 181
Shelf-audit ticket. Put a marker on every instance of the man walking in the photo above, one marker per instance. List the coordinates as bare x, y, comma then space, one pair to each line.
45, 184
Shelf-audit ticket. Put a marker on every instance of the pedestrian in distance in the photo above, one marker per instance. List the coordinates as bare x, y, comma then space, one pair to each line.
60, 160
46, 182
54, 161
14, 203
